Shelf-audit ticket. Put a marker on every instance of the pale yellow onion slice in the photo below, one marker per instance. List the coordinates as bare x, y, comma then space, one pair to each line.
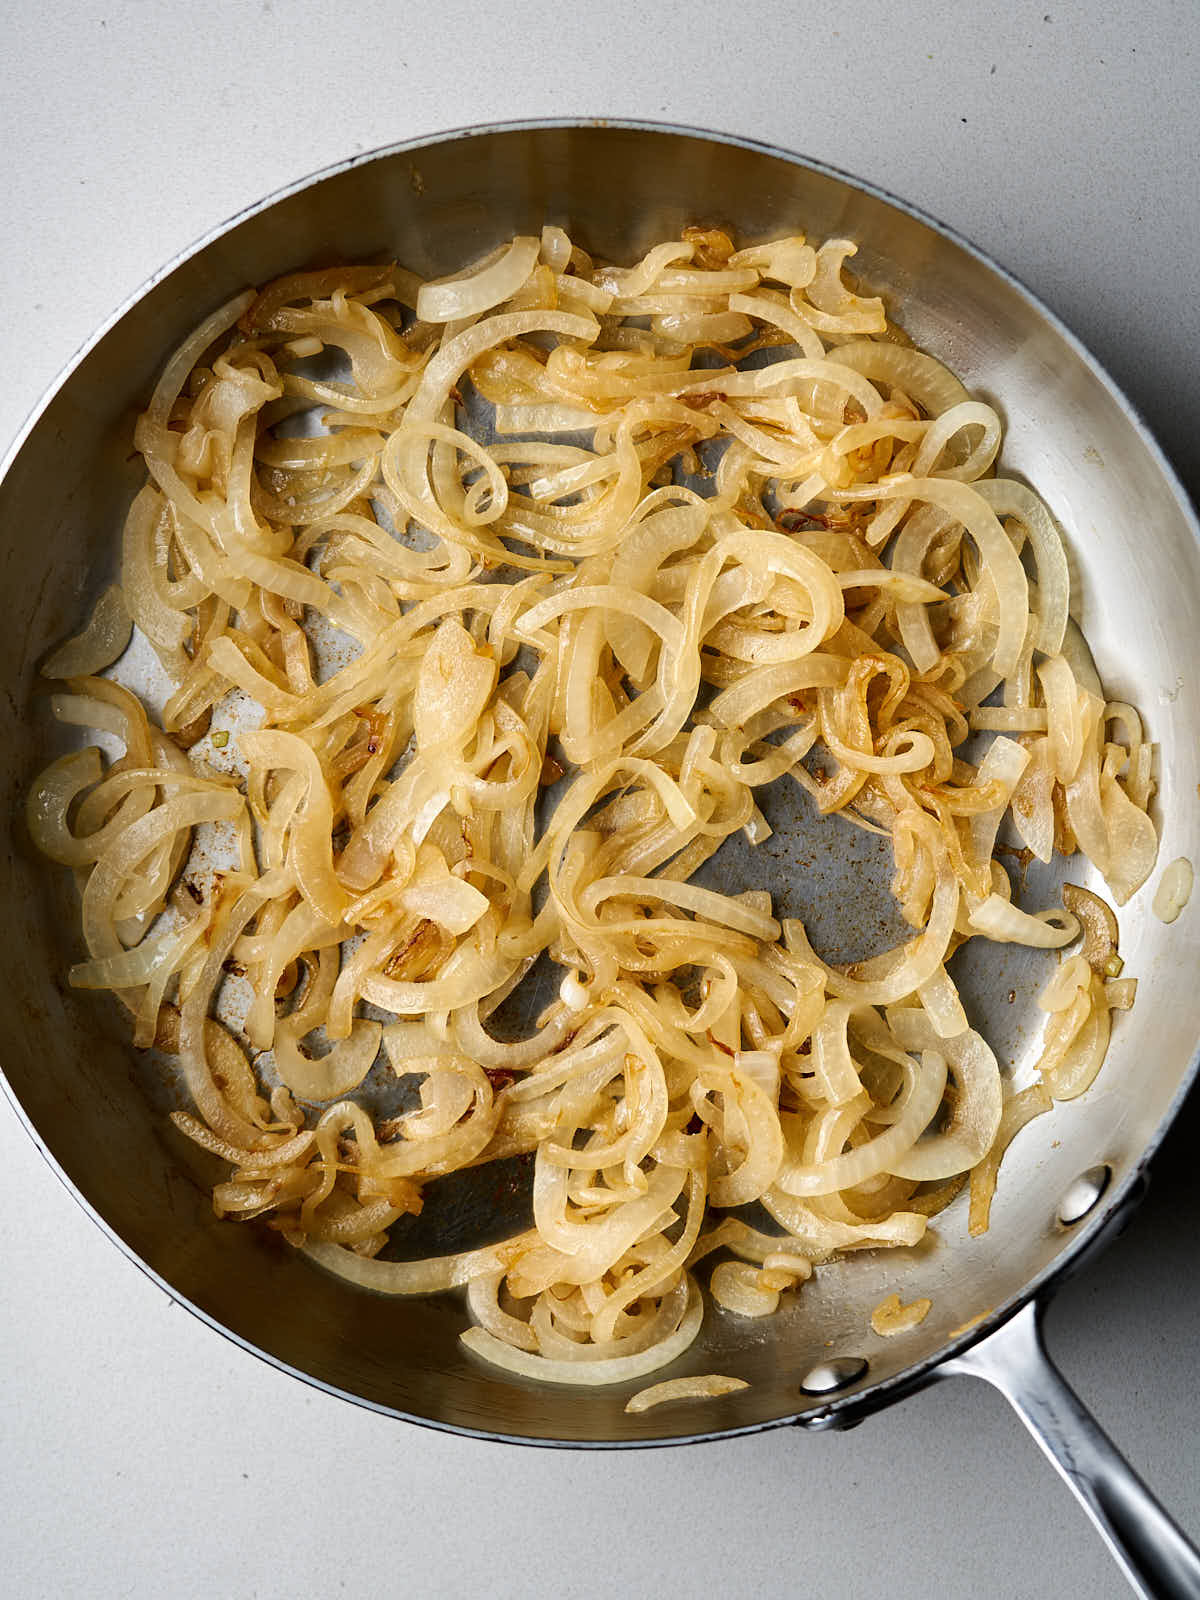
101, 703
630, 281
773, 308
977, 1106
429, 1276
1062, 988
545, 417
467, 976
931, 384
793, 374
603, 1239
967, 414
558, 1324
1009, 719
50, 800
1073, 1052
491, 487
470, 293
615, 1369
1003, 764
997, 918
1008, 498
819, 1237
428, 1155
474, 1039
185, 357
1064, 718
736, 1286
1174, 890
940, 999
133, 846
1120, 993
456, 905
139, 965
790, 261
829, 294
784, 1269
331, 1076
658, 1273
154, 604
962, 502
763, 1144
642, 551
706, 903
890, 1317
309, 850
1018, 1110
450, 1086
709, 1386
607, 596
1132, 838
921, 1101
483, 1302
102, 640
1031, 804
832, 1062
921, 530
645, 1103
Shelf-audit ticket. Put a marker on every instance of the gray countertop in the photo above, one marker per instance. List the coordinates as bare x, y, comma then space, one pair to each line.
145, 1456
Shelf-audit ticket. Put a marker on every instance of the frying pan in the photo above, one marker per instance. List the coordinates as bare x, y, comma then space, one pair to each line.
1069, 1181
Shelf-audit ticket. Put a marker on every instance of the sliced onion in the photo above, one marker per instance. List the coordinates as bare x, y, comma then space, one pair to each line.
101, 642
942, 1004
997, 918
738, 1287
1132, 841
977, 1104
615, 1369
880, 1153
1073, 1051
456, 905
819, 1237
1003, 564
710, 1386
1174, 890
890, 1317
1018, 1111
1100, 934
331, 1076
1008, 498
470, 293
431, 1276
931, 384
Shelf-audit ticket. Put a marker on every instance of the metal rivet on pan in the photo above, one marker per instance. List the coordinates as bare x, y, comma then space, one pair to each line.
1083, 1194
830, 1376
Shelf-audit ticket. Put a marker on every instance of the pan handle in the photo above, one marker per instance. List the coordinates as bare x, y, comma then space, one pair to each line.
1158, 1559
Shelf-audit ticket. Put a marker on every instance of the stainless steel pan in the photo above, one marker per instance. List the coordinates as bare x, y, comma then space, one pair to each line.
96, 1110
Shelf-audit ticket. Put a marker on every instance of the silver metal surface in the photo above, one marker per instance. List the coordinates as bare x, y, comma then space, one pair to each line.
96, 1110
1156, 1558
1083, 1194
830, 1376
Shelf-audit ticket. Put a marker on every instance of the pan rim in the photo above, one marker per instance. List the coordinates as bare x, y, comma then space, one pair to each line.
857, 1403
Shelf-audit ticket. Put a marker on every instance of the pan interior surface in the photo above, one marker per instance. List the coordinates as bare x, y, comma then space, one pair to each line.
97, 1109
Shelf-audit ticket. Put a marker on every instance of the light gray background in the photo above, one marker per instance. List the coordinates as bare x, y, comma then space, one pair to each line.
144, 1456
